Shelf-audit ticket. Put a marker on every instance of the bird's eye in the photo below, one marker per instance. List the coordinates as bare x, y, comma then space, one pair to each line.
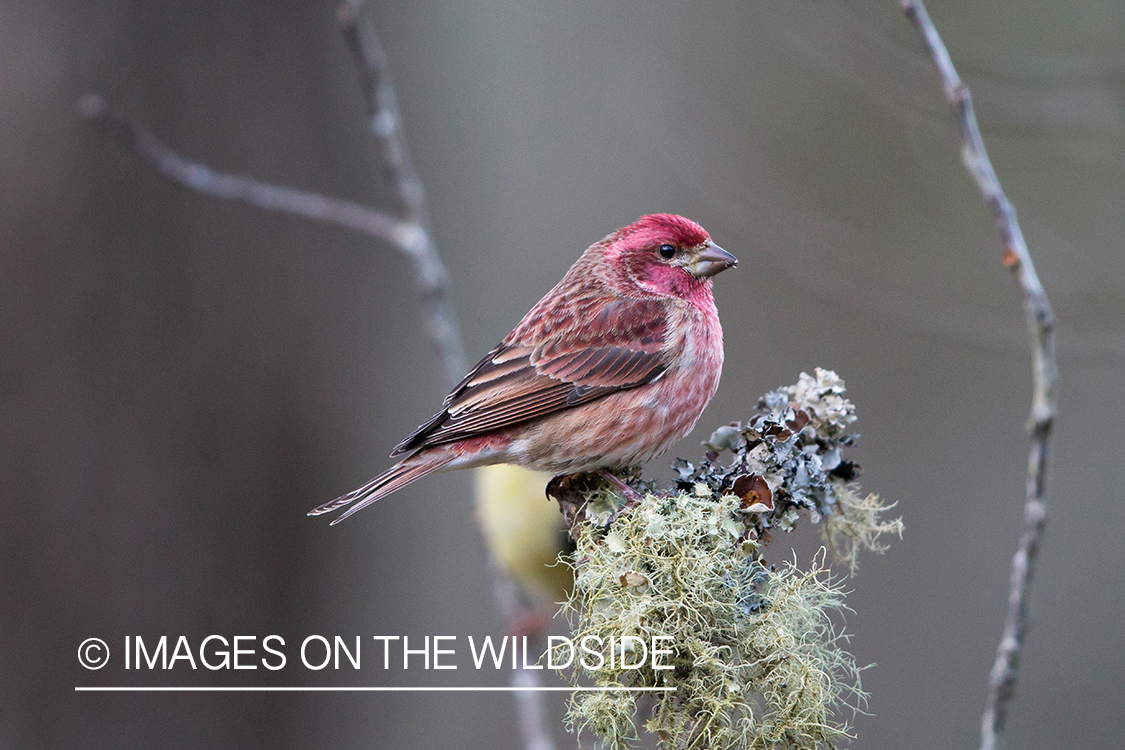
667, 252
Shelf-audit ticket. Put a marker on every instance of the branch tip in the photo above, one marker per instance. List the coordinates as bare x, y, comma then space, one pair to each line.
1017, 258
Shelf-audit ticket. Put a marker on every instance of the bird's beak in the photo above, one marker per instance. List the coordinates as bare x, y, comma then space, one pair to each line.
709, 260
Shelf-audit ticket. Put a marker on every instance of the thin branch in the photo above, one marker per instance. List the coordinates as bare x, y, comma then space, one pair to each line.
529, 702
382, 109
410, 238
410, 234
385, 122
407, 236
203, 179
1041, 326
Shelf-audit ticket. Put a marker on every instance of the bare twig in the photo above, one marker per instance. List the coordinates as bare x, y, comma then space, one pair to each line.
410, 234
382, 109
412, 239
529, 702
1041, 325
203, 179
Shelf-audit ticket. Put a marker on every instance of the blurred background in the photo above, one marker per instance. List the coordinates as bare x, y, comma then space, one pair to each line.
182, 378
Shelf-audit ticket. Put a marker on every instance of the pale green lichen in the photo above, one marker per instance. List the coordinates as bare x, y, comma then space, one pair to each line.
856, 524
757, 660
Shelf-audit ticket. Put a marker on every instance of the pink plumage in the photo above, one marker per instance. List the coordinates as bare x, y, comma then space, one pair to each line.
609, 369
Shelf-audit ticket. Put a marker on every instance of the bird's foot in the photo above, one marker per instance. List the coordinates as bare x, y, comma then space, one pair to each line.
571, 491
632, 497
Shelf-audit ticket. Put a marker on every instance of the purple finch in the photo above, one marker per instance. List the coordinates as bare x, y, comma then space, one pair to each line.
605, 372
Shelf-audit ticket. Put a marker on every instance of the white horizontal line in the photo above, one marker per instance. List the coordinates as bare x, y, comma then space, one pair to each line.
367, 689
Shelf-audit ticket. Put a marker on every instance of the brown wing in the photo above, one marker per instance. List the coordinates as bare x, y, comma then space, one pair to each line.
523, 380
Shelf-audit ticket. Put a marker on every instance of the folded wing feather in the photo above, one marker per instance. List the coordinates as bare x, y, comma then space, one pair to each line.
523, 380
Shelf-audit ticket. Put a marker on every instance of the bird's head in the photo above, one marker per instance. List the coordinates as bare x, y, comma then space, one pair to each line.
667, 255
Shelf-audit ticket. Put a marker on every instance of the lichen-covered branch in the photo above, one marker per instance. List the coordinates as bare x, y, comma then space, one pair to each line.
753, 653
1041, 326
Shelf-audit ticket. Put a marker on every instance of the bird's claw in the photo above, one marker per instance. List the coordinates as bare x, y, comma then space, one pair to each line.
571, 490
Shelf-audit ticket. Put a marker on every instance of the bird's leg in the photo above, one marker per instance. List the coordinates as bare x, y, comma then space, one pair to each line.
632, 497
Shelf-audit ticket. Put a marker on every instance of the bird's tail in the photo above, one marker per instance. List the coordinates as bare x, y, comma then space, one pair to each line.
394, 478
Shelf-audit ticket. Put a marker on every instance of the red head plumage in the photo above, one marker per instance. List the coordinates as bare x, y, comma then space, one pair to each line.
655, 229
667, 255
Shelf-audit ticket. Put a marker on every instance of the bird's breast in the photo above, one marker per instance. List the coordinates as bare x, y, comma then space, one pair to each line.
632, 426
